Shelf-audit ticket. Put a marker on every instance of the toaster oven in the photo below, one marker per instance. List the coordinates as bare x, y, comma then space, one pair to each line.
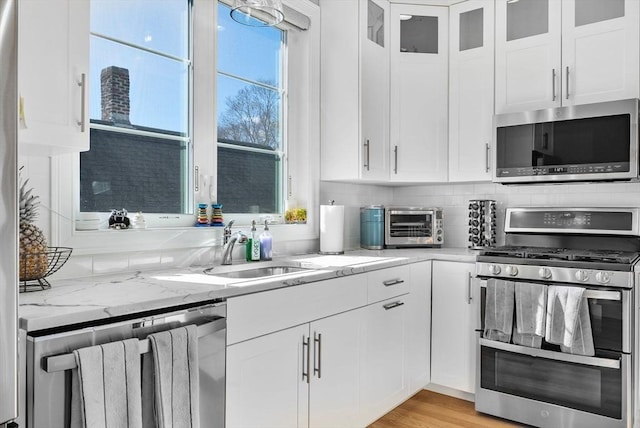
413, 227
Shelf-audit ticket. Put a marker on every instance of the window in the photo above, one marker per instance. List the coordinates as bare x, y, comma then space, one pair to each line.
168, 48
250, 97
140, 70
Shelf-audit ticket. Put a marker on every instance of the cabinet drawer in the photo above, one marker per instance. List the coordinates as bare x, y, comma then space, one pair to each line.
257, 314
386, 283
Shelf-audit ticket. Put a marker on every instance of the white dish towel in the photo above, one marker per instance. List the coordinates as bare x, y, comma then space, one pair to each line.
106, 389
498, 318
176, 377
531, 313
568, 322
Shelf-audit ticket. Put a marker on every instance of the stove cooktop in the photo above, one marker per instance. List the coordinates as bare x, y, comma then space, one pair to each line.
562, 254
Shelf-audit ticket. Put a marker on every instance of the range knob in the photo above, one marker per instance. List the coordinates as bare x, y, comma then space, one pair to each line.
494, 269
511, 270
582, 275
603, 277
544, 272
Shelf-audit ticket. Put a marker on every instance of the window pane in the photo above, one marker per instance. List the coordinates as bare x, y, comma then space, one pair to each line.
375, 24
419, 34
160, 25
158, 86
248, 113
138, 173
242, 47
526, 18
471, 29
248, 181
592, 11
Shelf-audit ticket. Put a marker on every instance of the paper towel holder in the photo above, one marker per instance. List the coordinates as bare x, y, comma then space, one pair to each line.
336, 244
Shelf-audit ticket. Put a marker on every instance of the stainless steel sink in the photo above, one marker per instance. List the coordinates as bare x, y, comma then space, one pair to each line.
258, 272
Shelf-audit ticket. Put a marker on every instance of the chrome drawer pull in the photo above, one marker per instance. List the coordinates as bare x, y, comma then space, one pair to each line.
393, 282
392, 305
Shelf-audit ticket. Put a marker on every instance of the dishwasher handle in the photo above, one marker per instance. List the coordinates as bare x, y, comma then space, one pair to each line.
64, 362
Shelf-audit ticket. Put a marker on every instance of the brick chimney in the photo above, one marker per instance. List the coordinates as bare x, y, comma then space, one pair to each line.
114, 86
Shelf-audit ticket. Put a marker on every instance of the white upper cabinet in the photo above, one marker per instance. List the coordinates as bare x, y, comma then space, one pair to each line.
355, 90
471, 89
53, 64
418, 93
551, 53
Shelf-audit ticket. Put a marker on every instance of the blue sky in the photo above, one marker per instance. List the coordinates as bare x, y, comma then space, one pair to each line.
158, 84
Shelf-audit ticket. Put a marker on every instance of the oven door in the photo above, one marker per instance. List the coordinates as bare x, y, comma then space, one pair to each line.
548, 388
409, 227
553, 389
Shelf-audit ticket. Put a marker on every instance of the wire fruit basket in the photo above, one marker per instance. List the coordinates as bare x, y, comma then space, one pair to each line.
56, 257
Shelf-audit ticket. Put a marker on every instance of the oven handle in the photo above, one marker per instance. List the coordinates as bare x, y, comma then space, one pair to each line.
551, 355
588, 293
58, 363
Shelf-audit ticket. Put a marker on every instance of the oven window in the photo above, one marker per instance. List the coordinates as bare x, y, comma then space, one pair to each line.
410, 225
582, 387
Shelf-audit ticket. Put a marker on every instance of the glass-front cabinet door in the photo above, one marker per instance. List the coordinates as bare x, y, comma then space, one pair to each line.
600, 47
527, 55
418, 93
471, 54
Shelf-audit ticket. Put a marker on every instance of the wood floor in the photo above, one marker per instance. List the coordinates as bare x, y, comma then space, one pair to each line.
429, 409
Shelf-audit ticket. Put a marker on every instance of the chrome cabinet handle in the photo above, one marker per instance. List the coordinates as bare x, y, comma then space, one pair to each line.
392, 305
487, 153
366, 163
83, 103
395, 155
469, 294
317, 340
567, 81
393, 282
553, 83
305, 356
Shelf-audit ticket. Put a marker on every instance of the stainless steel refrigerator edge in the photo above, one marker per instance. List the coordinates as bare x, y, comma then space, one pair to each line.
8, 209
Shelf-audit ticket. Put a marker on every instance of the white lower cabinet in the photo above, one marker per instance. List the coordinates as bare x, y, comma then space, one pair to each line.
362, 349
453, 320
302, 376
383, 385
264, 385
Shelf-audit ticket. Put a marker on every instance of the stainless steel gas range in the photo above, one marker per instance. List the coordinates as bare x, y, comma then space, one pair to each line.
557, 347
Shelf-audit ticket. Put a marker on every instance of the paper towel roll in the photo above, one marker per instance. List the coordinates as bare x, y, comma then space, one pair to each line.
331, 229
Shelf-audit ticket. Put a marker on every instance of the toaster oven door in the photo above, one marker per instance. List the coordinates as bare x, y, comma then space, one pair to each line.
409, 228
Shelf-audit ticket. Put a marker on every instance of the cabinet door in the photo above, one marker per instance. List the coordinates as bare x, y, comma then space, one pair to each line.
265, 385
53, 57
418, 328
600, 47
528, 70
419, 93
470, 90
382, 385
374, 102
453, 324
335, 359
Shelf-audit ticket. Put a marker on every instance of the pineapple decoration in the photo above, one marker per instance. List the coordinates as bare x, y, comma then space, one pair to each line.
33, 244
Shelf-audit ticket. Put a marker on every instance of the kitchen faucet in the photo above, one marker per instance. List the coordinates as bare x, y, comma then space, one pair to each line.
229, 242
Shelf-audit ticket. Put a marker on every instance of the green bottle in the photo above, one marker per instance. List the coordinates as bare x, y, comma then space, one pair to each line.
253, 245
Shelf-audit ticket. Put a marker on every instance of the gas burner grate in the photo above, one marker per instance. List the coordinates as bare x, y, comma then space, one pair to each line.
571, 255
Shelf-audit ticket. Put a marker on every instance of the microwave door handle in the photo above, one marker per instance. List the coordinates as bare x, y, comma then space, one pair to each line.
551, 355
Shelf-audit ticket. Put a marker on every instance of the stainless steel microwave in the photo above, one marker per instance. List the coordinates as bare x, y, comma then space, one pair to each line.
590, 142
413, 227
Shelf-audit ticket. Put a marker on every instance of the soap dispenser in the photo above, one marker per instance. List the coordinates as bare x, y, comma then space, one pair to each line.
265, 243
253, 244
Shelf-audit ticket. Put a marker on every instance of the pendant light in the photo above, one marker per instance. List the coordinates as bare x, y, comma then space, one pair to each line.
258, 13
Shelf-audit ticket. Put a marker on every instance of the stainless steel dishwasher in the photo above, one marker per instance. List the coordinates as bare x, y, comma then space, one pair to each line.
50, 359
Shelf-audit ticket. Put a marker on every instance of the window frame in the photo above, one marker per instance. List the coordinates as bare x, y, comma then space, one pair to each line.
167, 232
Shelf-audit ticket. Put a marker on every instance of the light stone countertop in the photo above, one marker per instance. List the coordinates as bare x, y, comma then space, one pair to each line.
82, 300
